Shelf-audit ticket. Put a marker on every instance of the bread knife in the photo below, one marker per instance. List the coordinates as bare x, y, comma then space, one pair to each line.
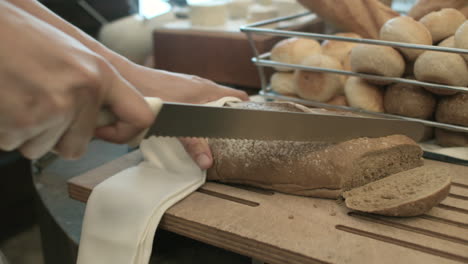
190, 120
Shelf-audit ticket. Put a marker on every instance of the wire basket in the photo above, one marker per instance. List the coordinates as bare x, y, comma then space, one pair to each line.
263, 60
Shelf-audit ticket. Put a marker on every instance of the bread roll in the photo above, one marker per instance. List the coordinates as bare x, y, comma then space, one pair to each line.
448, 42
443, 68
453, 109
319, 86
464, 10
294, 51
443, 23
406, 29
409, 100
361, 94
283, 83
339, 100
461, 38
347, 64
339, 49
447, 138
319, 169
423, 7
378, 60
428, 134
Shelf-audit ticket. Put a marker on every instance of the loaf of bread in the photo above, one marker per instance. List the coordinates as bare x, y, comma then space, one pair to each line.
294, 51
409, 100
407, 193
361, 94
423, 7
283, 83
453, 109
377, 60
364, 17
443, 23
447, 138
461, 38
319, 86
318, 169
406, 29
443, 68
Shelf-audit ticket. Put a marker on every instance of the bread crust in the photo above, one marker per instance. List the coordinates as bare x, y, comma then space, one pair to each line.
409, 100
339, 49
294, 51
423, 7
453, 110
359, 93
283, 83
378, 60
461, 38
319, 86
446, 138
406, 29
443, 23
443, 68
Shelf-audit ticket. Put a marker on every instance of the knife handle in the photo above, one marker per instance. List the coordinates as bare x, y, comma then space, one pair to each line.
106, 118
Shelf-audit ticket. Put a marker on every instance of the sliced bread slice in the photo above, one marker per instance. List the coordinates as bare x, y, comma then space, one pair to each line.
407, 193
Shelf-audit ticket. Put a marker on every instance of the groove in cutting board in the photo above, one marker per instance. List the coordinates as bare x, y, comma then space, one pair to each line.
402, 243
460, 185
444, 221
382, 221
228, 197
452, 208
251, 189
458, 196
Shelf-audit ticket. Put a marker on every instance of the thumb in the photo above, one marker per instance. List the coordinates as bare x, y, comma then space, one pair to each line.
132, 112
199, 151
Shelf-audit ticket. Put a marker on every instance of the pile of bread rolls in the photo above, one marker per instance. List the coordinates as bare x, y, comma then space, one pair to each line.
447, 27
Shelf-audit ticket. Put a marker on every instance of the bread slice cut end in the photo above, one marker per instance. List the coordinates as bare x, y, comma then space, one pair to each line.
407, 193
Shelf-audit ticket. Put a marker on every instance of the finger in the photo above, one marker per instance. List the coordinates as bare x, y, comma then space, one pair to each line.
240, 94
226, 91
73, 143
38, 146
132, 111
199, 150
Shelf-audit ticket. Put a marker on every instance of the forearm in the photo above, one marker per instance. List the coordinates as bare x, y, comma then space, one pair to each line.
38, 10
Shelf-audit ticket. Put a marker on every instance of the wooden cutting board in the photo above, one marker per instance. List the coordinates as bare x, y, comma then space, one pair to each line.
279, 228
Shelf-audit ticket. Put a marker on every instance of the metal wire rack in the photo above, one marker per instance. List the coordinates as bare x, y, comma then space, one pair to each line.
263, 60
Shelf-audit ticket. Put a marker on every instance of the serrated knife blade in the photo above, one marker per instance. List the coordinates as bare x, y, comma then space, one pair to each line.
187, 120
